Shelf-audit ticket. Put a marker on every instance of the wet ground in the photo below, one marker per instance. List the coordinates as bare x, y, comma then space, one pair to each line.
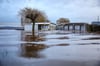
52, 48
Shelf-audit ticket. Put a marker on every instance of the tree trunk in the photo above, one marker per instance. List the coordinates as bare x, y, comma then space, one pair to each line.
33, 28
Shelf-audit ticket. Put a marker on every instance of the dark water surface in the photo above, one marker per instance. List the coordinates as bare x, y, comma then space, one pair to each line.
17, 49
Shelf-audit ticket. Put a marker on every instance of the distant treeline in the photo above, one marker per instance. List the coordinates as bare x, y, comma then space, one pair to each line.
11, 28
94, 28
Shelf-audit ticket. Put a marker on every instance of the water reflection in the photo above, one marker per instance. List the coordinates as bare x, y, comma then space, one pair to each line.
29, 37
93, 38
32, 50
16, 53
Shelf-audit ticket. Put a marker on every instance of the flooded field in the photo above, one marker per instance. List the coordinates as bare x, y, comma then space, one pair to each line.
55, 48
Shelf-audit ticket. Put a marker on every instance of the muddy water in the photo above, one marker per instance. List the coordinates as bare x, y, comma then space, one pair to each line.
18, 48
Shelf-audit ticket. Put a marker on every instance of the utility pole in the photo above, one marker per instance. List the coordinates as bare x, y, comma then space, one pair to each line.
98, 18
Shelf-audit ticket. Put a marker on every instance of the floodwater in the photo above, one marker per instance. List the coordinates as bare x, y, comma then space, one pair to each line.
19, 48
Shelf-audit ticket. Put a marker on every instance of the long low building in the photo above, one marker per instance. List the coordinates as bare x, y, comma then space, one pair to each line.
40, 26
74, 27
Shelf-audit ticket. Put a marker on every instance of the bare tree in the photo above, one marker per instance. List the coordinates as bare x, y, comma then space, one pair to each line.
62, 21
32, 15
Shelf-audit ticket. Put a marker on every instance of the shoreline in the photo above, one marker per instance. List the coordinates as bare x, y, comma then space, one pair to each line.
11, 28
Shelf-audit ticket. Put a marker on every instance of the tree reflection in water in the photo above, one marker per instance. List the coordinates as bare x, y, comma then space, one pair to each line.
29, 37
32, 50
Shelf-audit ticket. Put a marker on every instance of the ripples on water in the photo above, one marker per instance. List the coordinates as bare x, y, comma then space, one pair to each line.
17, 49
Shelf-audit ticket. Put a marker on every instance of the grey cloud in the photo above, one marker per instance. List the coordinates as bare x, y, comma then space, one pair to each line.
98, 3
76, 10
1, 1
4, 1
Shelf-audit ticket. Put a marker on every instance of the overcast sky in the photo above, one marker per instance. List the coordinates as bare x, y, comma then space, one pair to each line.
75, 10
